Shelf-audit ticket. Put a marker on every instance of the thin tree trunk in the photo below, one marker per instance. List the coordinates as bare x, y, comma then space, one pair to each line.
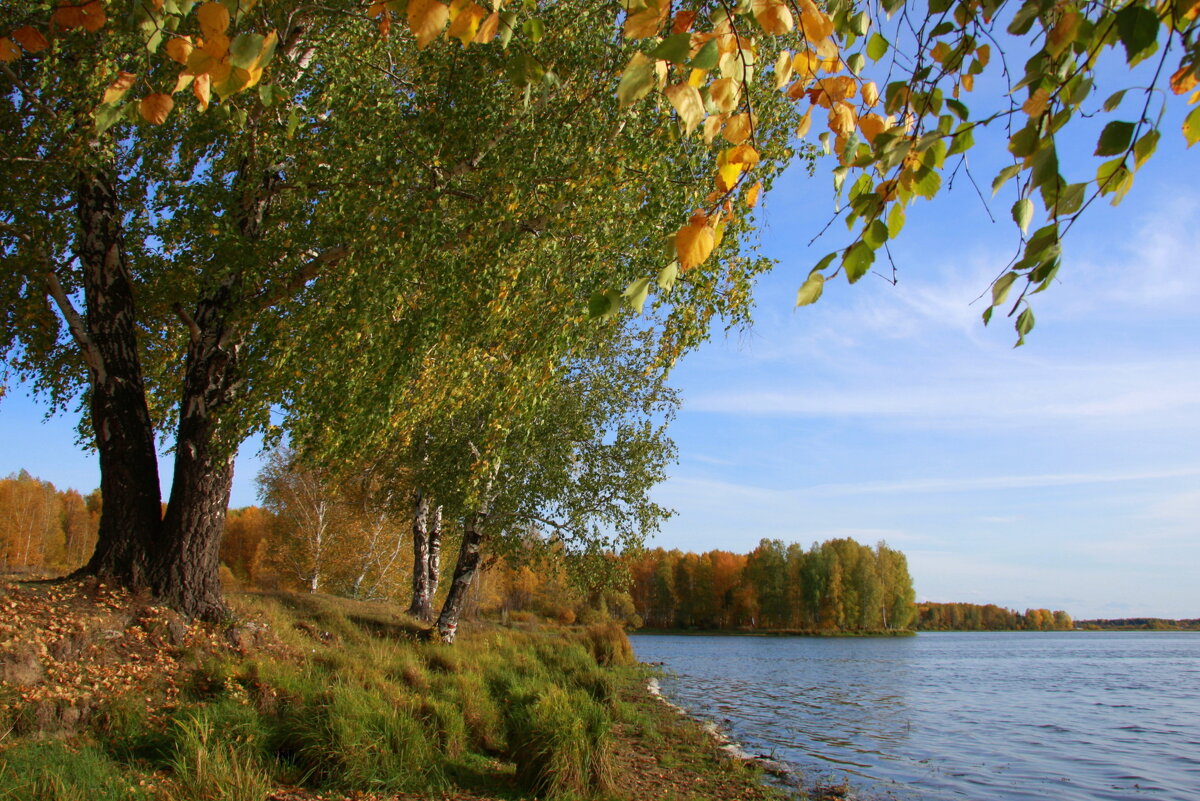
132, 513
465, 571
422, 599
435, 553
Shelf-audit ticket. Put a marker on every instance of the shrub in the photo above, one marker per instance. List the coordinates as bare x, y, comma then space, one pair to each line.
561, 743
608, 644
213, 761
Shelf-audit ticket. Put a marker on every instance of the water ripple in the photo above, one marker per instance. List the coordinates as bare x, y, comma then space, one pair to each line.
958, 717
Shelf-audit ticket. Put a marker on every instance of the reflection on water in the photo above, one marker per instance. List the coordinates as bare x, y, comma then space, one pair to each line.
1072, 716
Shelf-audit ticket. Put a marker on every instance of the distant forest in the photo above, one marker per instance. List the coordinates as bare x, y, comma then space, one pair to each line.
835, 586
1140, 624
989, 617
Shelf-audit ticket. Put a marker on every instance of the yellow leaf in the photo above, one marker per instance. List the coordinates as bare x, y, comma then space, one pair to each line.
688, 104
783, 69
805, 124
647, 20
155, 108
752, 194
202, 89
179, 48
1035, 106
426, 19
693, 244
968, 82
183, 81
30, 38
696, 77
773, 16
842, 119
217, 46
871, 125
213, 18
637, 80
117, 89
488, 28
712, 125
870, 93
728, 174
465, 20
738, 129
814, 23
9, 52
806, 63
724, 94
1063, 33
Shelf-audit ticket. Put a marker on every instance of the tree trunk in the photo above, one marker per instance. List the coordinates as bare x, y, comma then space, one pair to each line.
435, 553
131, 517
185, 569
422, 599
465, 571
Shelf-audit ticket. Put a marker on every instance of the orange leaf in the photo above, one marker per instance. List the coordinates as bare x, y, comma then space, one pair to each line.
202, 89
117, 89
742, 154
426, 19
1035, 106
683, 21
377, 8
1183, 81
871, 125
217, 46
179, 48
213, 18
646, 21
30, 38
752, 194
724, 94
693, 244
155, 108
737, 130
9, 52
488, 28
94, 16
814, 23
842, 119
870, 94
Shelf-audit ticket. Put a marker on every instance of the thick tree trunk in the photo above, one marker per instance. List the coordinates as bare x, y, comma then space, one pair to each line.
131, 516
184, 570
465, 571
422, 599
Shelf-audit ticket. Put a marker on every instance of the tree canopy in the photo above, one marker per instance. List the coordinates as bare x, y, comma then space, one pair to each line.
361, 214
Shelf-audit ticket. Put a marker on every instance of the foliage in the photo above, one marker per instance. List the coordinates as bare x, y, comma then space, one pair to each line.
837, 585
42, 529
988, 617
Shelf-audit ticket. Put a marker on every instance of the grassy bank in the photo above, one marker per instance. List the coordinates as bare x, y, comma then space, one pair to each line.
306, 697
780, 632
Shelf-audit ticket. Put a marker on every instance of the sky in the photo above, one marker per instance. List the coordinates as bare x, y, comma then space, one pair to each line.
1062, 474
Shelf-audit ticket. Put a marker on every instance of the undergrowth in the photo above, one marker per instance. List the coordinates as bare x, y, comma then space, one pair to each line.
349, 699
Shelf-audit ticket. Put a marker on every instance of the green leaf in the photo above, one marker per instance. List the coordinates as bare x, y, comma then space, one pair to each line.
811, 289
674, 48
1145, 147
636, 293
604, 304
708, 57
108, 116
958, 107
534, 29
1110, 175
244, 49
1044, 166
1024, 143
508, 26
1114, 100
1001, 287
1137, 28
1022, 21
1068, 200
1024, 325
667, 276
1191, 127
928, 183
1004, 176
856, 63
895, 222
875, 234
1115, 138
877, 47
1022, 213
963, 140
524, 69
858, 260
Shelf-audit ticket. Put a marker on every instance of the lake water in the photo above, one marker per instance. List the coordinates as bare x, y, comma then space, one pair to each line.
980, 716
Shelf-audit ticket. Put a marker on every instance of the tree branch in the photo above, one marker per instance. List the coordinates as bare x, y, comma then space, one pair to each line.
91, 354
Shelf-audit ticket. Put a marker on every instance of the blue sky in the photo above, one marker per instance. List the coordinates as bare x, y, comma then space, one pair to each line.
1065, 473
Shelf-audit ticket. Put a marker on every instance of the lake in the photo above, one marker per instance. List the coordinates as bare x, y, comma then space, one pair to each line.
979, 716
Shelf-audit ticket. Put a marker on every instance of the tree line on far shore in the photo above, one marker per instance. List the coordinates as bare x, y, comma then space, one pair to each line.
989, 617
835, 586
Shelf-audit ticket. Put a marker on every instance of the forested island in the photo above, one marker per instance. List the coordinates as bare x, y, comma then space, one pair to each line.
988, 617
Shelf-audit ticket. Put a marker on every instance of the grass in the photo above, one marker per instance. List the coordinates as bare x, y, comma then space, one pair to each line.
345, 698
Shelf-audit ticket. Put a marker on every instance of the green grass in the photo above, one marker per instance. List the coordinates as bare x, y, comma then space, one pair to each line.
352, 699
